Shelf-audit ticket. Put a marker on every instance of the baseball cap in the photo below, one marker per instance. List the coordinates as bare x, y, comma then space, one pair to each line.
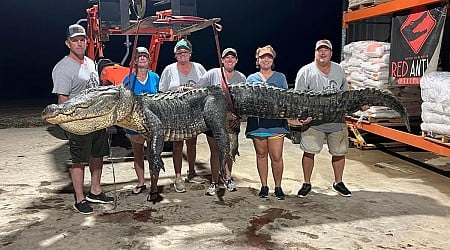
142, 50
324, 43
76, 30
229, 51
266, 50
182, 44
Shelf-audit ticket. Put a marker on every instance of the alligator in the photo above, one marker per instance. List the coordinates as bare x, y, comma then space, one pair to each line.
179, 116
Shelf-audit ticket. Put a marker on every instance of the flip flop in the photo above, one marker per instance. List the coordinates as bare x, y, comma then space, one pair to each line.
140, 189
154, 197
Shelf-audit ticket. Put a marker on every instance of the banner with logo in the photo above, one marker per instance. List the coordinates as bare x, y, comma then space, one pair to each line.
416, 43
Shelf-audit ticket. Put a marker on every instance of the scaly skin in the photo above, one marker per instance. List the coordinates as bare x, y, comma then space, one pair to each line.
179, 116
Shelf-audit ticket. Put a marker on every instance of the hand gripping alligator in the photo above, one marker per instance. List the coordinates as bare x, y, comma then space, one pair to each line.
179, 116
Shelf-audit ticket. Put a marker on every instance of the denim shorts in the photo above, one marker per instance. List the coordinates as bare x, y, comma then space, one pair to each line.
312, 141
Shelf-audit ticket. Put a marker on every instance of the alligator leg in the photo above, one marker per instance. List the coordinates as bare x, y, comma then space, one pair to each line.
155, 141
215, 116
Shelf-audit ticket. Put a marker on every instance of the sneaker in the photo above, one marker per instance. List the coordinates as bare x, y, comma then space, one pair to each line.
264, 192
304, 191
179, 185
99, 198
83, 207
231, 187
212, 189
279, 193
341, 189
194, 178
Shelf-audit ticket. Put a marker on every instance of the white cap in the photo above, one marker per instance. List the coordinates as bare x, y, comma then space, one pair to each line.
324, 43
229, 51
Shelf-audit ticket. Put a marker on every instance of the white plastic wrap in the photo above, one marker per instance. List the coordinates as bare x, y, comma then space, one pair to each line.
439, 129
435, 87
366, 64
435, 91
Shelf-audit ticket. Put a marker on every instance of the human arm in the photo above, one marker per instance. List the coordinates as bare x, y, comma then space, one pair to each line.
62, 98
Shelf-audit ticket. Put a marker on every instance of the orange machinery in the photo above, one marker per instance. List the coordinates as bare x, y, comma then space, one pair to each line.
162, 27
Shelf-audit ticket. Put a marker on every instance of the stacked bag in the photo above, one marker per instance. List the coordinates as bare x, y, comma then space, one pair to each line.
352, 4
366, 64
435, 92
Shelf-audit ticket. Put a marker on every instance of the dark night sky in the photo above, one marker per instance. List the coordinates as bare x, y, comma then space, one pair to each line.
34, 32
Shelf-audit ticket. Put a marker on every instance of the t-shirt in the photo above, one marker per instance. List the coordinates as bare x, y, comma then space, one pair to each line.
214, 77
311, 79
149, 86
264, 127
70, 77
172, 78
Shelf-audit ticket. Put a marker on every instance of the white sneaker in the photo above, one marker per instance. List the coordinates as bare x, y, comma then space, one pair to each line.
212, 189
194, 178
231, 187
179, 185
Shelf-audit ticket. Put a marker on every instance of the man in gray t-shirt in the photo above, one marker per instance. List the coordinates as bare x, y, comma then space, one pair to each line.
214, 77
325, 76
72, 74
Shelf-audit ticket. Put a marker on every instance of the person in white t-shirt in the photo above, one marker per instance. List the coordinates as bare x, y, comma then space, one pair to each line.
181, 76
214, 77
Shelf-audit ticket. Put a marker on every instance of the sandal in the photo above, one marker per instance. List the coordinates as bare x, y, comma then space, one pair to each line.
139, 189
154, 197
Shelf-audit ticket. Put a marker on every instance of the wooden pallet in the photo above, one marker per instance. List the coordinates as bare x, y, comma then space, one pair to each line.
385, 120
393, 121
442, 139
365, 4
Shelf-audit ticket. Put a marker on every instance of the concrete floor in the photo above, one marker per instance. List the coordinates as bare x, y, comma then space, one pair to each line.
395, 203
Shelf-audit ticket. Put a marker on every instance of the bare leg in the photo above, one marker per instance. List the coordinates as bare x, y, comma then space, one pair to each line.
338, 163
308, 165
191, 150
77, 175
95, 166
138, 153
275, 146
177, 157
261, 159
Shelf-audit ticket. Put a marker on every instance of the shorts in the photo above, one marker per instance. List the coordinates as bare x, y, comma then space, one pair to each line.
275, 136
131, 132
312, 141
209, 133
83, 147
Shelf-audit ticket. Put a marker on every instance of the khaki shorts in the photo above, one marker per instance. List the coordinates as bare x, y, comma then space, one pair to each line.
312, 141
83, 147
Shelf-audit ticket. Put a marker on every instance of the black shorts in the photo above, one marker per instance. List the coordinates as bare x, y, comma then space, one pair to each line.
209, 133
83, 147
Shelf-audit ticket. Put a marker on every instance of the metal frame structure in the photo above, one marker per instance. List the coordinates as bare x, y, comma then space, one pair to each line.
418, 141
163, 27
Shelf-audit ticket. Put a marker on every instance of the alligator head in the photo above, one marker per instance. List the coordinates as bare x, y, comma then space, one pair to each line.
93, 109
